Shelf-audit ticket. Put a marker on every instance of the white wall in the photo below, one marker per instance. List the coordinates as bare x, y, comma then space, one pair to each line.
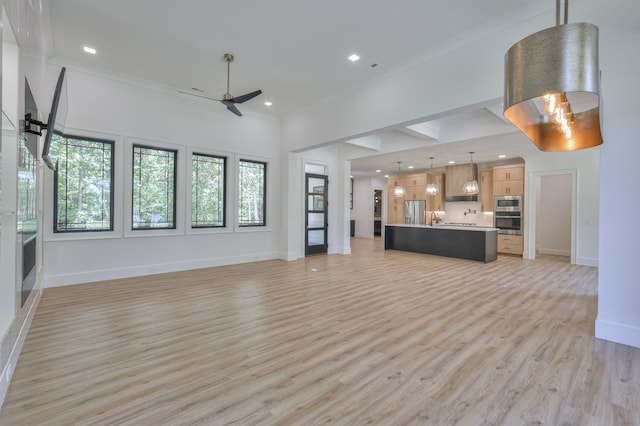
362, 213
553, 215
619, 273
125, 113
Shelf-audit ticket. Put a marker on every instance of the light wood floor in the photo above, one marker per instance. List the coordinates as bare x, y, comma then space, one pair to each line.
378, 337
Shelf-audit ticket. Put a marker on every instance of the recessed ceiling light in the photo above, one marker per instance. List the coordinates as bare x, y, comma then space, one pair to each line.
90, 50
409, 167
502, 156
386, 176
268, 103
378, 171
354, 57
452, 162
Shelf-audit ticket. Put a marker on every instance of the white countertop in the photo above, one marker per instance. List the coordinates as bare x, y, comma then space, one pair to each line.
452, 227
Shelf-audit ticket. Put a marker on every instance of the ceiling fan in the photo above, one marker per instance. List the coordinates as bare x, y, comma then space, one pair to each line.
228, 99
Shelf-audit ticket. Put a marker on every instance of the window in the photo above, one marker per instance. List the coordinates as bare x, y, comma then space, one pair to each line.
83, 184
252, 185
154, 188
208, 185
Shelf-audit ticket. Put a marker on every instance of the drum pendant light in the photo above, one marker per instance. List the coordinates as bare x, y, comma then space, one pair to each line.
552, 86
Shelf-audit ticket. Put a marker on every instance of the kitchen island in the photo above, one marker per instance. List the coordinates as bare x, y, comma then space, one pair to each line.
463, 242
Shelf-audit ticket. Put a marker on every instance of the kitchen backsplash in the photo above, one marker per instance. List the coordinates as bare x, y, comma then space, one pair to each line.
463, 212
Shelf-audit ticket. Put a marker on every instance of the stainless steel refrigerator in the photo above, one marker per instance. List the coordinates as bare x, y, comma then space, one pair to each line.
415, 212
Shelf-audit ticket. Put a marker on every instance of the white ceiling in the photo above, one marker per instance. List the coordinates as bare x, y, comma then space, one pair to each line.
296, 52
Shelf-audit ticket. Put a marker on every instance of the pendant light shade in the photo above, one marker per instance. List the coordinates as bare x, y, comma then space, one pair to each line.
398, 190
471, 186
552, 86
432, 188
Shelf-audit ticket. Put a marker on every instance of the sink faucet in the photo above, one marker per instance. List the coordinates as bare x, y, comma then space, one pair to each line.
433, 215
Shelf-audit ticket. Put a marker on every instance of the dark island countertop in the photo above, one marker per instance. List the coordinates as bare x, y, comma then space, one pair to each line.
463, 242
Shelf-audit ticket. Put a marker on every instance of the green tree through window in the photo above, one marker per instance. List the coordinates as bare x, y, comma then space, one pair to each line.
154, 188
252, 193
83, 184
208, 191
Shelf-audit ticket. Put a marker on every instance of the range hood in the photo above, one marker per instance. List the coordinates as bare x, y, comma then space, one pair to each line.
457, 175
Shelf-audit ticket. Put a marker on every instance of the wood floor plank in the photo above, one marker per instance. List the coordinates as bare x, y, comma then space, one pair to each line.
375, 337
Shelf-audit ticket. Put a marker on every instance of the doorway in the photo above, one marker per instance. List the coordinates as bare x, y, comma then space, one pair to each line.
553, 208
316, 187
377, 212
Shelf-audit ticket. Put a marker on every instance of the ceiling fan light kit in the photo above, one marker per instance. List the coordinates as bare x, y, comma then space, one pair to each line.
552, 86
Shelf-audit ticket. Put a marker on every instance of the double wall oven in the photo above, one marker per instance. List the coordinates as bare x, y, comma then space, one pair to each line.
507, 214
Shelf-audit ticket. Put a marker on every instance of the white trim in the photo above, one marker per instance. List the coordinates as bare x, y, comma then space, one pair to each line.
152, 269
269, 193
619, 333
128, 191
16, 349
327, 171
554, 252
530, 211
47, 215
230, 190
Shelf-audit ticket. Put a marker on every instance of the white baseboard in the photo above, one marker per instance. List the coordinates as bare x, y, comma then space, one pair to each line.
361, 235
587, 261
554, 252
12, 343
137, 271
619, 333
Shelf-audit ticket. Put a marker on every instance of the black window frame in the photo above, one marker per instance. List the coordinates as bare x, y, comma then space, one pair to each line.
175, 187
264, 193
56, 230
224, 190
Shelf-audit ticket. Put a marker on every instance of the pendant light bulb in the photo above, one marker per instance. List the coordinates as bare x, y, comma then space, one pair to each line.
432, 188
471, 186
398, 190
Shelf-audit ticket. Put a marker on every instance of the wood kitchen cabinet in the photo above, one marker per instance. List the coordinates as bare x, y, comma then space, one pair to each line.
436, 202
415, 186
486, 190
395, 210
508, 180
510, 244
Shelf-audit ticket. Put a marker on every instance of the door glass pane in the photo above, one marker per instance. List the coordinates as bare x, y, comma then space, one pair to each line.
316, 220
316, 185
316, 238
316, 202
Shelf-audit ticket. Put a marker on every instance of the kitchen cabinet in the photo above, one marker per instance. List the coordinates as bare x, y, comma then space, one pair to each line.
436, 202
508, 180
486, 190
395, 211
510, 244
415, 186
507, 173
457, 176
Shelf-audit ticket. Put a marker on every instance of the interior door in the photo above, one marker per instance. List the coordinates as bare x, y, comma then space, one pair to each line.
316, 214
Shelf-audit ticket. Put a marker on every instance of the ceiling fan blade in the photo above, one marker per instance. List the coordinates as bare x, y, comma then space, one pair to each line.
199, 96
244, 98
231, 107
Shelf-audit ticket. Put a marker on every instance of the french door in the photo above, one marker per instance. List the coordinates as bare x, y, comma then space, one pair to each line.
316, 214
